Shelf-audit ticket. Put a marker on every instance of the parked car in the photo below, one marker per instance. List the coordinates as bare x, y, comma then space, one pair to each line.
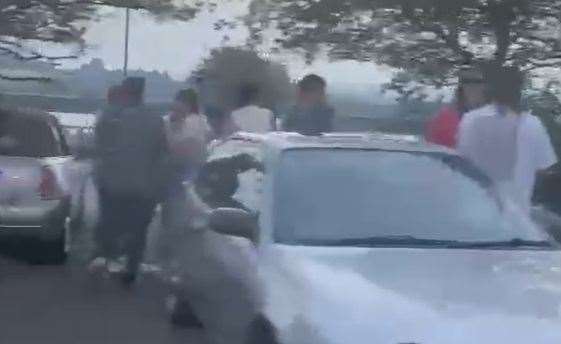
34, 201
363, 239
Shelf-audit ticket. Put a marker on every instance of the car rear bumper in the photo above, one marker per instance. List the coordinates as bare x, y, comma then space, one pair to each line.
46, 223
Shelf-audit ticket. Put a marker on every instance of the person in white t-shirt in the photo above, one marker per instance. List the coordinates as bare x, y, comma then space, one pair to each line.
510, 145
187, 133
250, 117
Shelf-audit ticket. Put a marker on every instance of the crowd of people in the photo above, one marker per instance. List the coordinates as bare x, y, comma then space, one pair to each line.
143, 159
488, 125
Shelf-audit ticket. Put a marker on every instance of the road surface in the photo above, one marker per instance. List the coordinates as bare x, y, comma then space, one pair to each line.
62, 305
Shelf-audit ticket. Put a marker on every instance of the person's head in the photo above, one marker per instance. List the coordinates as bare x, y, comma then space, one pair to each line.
133, 87
311, 90
472, 89
185, 102
248, 95
505, 87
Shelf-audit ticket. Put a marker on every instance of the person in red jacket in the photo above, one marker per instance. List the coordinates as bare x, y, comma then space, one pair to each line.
442, 129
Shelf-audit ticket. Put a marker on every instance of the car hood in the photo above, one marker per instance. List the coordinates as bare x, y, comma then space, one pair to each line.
436, 296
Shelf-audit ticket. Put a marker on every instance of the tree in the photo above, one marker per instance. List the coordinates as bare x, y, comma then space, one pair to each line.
428, 39
227, 69
25, 24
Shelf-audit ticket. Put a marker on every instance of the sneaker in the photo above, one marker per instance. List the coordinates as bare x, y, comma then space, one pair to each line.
98, 266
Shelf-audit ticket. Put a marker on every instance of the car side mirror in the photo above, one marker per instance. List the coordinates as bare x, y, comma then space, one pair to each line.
234, 222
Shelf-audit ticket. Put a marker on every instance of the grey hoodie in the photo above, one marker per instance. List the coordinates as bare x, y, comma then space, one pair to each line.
131, 152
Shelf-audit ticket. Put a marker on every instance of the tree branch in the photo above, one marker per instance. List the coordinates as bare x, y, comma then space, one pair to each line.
451, 40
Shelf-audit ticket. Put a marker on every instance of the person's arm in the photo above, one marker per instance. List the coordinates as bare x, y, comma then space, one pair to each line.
544, 154
465, 137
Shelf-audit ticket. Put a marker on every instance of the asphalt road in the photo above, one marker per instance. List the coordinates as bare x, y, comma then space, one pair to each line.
64, 305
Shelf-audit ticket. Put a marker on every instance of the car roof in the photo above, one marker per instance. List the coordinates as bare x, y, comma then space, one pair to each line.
344, 140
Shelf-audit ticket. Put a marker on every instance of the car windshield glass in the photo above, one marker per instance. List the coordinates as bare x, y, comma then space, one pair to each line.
355, 197
30, 137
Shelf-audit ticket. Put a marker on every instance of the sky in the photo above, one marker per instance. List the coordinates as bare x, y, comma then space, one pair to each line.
179, 47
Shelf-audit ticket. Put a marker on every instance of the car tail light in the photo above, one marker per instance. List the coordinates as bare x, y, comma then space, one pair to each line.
49, 189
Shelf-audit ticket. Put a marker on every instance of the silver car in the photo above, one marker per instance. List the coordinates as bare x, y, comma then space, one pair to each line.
372, 239
34, 202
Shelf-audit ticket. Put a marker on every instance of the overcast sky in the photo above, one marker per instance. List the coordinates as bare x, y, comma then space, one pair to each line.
178, 47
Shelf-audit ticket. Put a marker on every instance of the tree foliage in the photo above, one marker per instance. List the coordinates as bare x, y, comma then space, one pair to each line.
428, 39
228, 69
27, 24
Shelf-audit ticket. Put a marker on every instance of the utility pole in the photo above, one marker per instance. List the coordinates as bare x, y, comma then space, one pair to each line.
127, 33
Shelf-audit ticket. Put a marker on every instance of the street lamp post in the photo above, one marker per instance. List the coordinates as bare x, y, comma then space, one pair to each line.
127, 32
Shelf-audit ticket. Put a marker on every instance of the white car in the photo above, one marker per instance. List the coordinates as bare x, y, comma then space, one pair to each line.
364, 239
34, 190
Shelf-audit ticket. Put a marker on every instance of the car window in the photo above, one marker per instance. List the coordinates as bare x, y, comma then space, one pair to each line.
31, 137
324, 195
232, 176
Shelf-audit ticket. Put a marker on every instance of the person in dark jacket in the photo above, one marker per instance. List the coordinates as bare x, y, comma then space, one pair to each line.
311, 115
131, 148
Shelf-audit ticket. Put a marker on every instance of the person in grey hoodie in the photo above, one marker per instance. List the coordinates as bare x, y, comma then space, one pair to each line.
131, 150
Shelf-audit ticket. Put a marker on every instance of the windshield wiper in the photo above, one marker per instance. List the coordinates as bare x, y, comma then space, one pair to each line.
381, 241
513, 243
411, 241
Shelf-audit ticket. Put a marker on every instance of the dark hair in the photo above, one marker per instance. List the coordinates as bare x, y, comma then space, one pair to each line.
188, 97
312, 83
505, 86
249, 93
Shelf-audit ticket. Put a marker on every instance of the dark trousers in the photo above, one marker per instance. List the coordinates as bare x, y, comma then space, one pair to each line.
123, 226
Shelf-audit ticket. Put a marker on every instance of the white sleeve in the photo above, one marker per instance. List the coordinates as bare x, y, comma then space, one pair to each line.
544, 154
465, 137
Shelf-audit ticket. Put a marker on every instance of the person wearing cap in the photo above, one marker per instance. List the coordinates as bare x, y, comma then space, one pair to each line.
508, 144
131, 146
442, 129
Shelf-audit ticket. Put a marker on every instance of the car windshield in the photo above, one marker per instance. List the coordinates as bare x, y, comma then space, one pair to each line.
375, 197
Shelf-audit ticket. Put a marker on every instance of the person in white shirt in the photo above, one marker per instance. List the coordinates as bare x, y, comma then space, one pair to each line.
510, 145
250, 117
187, 133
